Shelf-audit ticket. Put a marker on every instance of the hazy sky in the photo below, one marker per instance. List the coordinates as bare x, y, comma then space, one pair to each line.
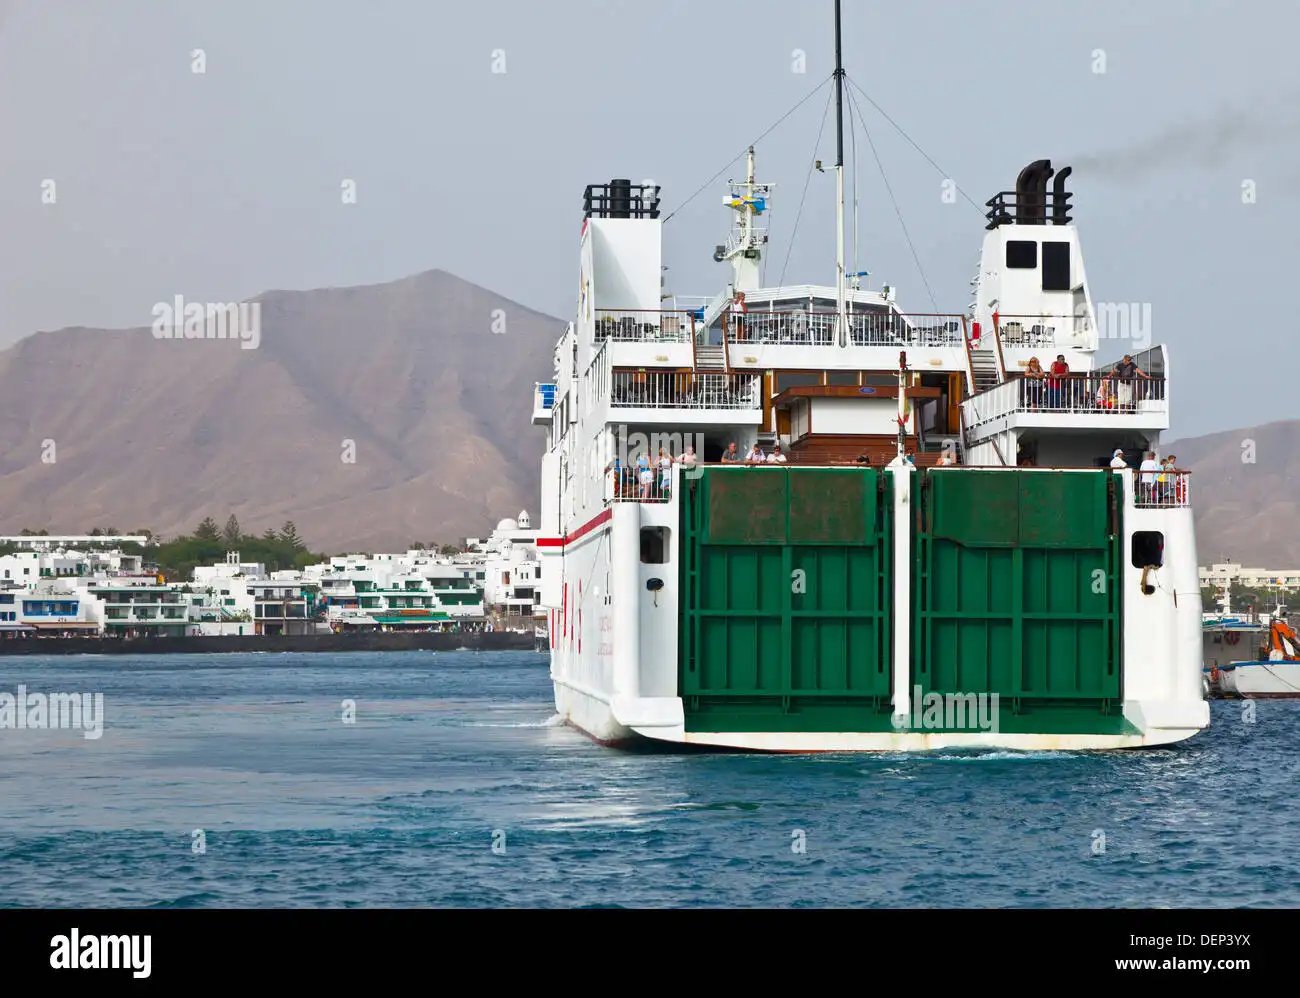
226, 183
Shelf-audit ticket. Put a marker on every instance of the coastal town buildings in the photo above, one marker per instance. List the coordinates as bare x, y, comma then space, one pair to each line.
82, 585
1231, 574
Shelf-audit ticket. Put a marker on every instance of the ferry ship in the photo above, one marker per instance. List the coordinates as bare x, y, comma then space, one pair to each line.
945, 555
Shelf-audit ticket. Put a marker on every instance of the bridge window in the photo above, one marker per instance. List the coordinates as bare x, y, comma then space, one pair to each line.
1056, 266
794, 379
1148, 548
842, 378
1022, 254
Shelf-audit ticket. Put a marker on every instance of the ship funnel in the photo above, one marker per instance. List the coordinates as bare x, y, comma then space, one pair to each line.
1031, 193
1060, 209
620, 199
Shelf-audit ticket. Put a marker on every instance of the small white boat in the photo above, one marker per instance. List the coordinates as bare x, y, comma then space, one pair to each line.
1254, 680
1273, 672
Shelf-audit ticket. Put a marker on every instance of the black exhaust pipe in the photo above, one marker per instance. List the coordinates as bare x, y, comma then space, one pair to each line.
1060, 210
1031, 193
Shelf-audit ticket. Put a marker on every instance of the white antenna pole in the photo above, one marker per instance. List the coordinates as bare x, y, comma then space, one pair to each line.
840, 313
748, 210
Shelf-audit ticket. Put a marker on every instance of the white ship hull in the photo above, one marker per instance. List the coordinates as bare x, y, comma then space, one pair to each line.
614, 660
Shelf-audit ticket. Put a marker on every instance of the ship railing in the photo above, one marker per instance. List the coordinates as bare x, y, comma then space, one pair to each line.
646, 325
1020, 331
801, 327
1091, 394
625, 485
665, 390
816, 327
1160, 489
897, 329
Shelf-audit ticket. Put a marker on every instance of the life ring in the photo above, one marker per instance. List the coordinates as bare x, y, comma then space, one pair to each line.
1214, 673
1232, 637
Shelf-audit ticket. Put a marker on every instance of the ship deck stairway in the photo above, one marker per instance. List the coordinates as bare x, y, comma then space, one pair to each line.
985, 368
710, 360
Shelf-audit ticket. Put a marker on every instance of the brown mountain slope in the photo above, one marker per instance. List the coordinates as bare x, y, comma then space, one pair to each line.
160, 433
1246, 493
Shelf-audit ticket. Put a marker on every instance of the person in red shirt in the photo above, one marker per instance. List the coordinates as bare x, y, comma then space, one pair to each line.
1056, 381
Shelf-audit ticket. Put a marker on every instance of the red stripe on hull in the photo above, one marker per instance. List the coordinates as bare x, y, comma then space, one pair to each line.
558, 542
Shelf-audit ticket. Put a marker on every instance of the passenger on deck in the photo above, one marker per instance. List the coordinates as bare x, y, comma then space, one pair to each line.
688, 458
1148, 472
729, 456
1117, 459
1034, 383
1124, 373
776, 457
756, 455
620, 477
738, 317
645, 475
1178, 481
945, 460
665, 472
1056, 381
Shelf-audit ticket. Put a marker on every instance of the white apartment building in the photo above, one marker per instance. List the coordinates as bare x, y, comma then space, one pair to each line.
1225, 574
512, 571
411, 591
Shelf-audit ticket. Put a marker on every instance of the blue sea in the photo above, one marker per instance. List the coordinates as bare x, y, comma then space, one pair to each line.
227, 781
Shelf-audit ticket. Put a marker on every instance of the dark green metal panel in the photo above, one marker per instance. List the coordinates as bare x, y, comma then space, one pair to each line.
745, 505
832, 506
978, 507
1019, 595
786, 582
1063, 509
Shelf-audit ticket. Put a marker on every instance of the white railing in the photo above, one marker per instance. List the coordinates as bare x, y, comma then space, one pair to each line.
644, 325
1089, 394
649, 390
1162, 489
880, 329
817, 328
625, 484
596, 376
1018, 331
795, 328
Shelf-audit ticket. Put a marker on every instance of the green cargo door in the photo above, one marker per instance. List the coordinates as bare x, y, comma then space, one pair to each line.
786, 596
1017, 593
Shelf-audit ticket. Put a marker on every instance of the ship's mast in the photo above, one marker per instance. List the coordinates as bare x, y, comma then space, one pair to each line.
841, 319
748, 215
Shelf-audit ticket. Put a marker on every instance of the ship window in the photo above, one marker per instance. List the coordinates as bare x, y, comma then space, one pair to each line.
794, 379
880, 380
842, 378
1056, 266
1148, 548
654, 545
1022, 254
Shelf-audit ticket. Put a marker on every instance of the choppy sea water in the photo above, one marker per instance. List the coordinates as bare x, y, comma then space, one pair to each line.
453, 786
